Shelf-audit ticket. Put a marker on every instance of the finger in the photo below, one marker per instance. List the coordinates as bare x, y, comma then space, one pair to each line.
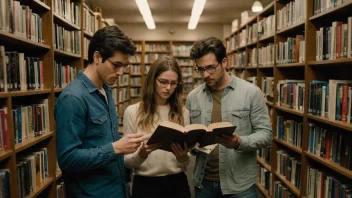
226, 137
135, 135
137, 140
174, 150
185, 147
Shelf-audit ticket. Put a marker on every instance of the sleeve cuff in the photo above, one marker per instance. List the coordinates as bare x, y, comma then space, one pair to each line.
133, 160
184, 164
243, 143
109, 153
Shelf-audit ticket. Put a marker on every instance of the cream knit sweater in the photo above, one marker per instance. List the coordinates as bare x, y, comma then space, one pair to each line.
159, 162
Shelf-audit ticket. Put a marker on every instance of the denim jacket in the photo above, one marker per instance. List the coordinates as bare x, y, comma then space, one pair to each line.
86, 126
243, 105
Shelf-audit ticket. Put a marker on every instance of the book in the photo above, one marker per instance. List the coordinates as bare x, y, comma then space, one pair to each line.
168, 132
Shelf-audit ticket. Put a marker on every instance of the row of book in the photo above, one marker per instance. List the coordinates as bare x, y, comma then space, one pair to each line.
123, 94
18, 72
30, 121
138, 47
66, 40
86, 43
69, 10
320, 6
266, 55
151, 58
136, 81
124, 80
290, 94
90, 23
265, 178
330, 144
266, 27
327, 185
136, 59
293, 13
135, 92
289, 167
334, 42
63, 74
32, 170
291, 51
60, 189
20, 20
114, 95
181, 50
121, 110
265, 154
184, 62
135, 69
281, 191
157, 48
268, 88
290, 131
237, 59
4, 134
253, 57
331, 99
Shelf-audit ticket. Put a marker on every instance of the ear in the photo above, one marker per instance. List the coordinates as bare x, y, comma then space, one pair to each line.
224, 63
96, 57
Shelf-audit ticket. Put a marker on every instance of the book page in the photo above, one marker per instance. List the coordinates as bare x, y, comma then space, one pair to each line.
173, 125
219, 125
191, 127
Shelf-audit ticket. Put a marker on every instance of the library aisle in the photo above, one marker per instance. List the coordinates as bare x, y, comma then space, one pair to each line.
298, 52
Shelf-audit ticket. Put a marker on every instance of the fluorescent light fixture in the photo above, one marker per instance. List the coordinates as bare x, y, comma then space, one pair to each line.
198, 6
193, 21
148, 19
144, 9
257, 6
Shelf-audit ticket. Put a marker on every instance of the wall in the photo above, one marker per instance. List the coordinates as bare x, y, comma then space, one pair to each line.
141, 32
226, 31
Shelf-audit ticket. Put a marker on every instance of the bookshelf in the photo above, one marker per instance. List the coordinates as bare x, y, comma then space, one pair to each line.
299, 127
43, 49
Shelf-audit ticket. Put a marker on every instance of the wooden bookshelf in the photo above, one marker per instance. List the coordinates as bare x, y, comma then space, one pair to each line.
263, 163
58, 174
47, 181
308, 70
262, 190
330, 164
288, 184
32, 141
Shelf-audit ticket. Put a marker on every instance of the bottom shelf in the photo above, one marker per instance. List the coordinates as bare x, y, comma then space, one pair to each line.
262, 190
41, 187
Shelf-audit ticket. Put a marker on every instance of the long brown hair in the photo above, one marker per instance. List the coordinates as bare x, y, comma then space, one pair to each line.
148, 105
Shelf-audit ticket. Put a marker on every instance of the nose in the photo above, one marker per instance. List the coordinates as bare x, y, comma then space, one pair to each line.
168, 87
205, 74
119, 72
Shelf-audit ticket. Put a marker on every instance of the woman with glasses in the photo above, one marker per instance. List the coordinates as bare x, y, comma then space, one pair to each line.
158, 173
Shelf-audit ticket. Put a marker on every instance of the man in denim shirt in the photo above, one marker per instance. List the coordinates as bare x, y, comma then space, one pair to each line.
89, 150
229, 169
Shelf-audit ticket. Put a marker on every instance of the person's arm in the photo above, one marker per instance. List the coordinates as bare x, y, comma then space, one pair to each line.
70, 115
132, 160
262, 131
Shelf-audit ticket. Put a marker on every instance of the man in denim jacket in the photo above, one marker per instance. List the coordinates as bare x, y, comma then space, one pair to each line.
89, 150
229, 170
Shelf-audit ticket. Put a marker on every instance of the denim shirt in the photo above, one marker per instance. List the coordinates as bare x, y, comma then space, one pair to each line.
243, 105
86, 126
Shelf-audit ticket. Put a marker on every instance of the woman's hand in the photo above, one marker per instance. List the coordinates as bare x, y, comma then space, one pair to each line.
147, 149
179, 152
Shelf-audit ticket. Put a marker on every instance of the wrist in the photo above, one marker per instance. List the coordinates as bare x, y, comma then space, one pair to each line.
116, 148
142, 154
182, 159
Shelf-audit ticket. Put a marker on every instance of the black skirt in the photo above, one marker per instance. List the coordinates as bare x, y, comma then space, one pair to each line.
170, 186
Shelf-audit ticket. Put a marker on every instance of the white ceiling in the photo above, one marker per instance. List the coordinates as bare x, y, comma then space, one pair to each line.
174, 11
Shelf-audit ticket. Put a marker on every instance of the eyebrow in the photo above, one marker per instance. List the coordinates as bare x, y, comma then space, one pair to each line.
206, 66
168, 80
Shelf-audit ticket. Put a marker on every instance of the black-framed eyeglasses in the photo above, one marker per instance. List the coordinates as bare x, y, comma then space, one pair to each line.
165, 83
118, 66
210, 69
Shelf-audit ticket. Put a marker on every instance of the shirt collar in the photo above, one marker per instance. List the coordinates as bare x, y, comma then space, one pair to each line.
89, 84
232, 84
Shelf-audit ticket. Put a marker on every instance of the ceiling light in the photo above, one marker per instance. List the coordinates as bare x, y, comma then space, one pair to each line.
198, 6
193, 21
257, 6
144, 9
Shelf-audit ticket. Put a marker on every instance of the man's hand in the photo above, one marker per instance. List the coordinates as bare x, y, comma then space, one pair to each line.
147, 149
129, 143
179, 152
230, 142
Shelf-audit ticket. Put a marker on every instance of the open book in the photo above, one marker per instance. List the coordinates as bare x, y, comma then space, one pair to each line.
169, 132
